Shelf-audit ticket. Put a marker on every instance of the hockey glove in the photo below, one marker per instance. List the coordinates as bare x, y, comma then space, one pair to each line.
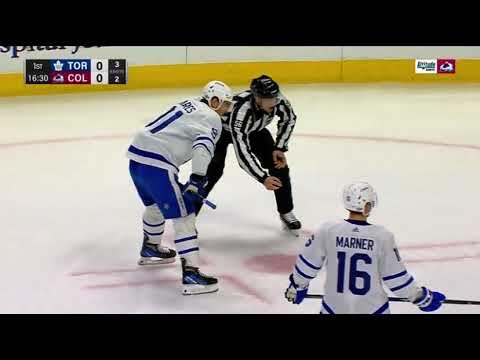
294, 293
429, 300
195, 188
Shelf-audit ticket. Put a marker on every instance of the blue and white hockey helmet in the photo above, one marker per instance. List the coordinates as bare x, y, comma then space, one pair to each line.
219, 90
357, 195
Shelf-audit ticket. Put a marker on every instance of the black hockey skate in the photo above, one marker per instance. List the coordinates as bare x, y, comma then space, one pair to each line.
291, 223
194, 282
153, 254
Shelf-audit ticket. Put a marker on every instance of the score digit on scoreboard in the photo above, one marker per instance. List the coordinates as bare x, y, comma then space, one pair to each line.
76, 71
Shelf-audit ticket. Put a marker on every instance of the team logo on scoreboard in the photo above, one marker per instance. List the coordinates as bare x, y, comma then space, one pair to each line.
58, 78
58, 66
425, 66
446, 66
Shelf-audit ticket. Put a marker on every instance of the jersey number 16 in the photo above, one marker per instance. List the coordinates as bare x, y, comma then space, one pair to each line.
354, 273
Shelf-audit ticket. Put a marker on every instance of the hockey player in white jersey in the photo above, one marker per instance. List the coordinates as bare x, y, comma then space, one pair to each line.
359, 258
188, 131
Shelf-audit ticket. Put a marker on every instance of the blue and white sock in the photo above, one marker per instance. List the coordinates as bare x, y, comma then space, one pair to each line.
186, 240
153, 224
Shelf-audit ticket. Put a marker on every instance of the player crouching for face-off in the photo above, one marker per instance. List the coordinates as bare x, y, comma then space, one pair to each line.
359, 257
188, 131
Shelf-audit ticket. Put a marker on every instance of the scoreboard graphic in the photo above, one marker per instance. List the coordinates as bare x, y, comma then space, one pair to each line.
76, 71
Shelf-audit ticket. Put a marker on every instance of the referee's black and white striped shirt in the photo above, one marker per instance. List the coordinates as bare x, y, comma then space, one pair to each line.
246, 118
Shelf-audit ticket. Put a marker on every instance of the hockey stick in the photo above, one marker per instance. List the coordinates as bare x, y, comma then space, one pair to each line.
447, 301
205, 201
209, 203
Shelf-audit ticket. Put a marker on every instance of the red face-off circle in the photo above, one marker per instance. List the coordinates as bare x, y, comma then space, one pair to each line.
272, 264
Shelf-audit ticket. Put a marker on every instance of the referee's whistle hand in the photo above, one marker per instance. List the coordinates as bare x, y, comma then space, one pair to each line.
279, 159
272, 183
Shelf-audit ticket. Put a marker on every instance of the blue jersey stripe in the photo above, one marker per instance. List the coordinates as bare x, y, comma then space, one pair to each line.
185, 239
308, 263
161, 117
328, 308
203, 145
163, 223
394, 276
206, 143
382, 309
152, 234
303, 274
188, 250
205, 138
150, 155
403, 285
166, 122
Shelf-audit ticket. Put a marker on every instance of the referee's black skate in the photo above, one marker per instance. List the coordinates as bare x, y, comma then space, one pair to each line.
291, 223
194, 282
153, 254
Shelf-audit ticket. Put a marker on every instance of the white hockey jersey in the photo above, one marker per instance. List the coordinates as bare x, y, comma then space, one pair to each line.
359, 258
188, 131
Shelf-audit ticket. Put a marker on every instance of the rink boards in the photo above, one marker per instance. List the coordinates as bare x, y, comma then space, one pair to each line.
170, 67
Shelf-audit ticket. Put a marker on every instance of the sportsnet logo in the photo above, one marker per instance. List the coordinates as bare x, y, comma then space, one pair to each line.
446, 66
425, 66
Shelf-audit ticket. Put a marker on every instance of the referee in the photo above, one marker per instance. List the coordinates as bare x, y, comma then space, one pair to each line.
257, 152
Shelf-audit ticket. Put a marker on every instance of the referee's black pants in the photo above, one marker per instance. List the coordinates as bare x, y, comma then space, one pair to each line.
262, 146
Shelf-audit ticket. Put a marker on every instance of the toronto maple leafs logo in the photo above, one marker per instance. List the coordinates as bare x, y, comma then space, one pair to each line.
58, 66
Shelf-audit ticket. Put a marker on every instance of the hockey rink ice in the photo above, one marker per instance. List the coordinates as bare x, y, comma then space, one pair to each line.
71, 219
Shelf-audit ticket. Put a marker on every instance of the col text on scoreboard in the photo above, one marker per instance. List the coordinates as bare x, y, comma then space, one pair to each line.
76, 71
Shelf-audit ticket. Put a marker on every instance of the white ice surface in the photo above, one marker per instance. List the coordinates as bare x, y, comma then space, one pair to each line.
69, 207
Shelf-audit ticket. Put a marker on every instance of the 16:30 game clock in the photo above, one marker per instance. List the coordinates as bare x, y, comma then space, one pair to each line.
76, 71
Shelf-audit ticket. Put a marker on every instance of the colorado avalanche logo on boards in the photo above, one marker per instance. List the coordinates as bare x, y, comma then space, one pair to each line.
446, 66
